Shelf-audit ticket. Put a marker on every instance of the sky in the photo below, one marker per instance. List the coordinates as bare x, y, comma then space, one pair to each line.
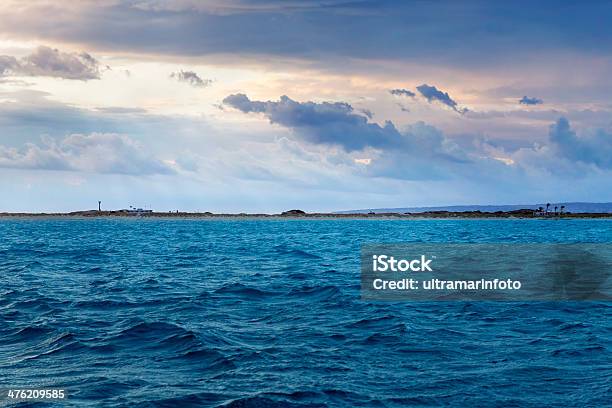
265, 106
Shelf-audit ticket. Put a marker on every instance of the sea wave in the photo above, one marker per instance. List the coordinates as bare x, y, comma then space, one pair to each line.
166, 313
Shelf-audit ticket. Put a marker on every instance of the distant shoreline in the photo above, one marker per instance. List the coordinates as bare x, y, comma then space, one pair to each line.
296, 214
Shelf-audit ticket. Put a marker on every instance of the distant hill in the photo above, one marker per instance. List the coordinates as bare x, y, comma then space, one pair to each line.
569, 207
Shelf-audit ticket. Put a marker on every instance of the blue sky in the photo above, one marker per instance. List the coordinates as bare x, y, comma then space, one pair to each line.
319, 105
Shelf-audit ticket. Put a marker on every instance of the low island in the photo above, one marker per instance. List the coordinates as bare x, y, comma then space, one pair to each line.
521, 213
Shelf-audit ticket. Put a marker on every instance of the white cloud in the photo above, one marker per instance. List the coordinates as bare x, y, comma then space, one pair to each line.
51, 62
192, 78
93, 153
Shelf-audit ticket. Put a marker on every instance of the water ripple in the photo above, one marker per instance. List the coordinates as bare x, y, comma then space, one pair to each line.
166, 313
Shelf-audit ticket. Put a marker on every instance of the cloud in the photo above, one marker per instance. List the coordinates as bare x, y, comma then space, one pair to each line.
432, 94
419, 152
331, 123
316, 30
422, 152
402, 92
368, 113
526, 100
191, 78
594, 148
403, 108
92, 153
7, 64
26, 114
46, 61
229, 7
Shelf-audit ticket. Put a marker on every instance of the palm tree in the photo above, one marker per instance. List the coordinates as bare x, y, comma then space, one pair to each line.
562, 208
556, 209
547, 207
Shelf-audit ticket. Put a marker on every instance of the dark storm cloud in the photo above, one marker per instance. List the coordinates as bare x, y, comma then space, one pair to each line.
46, 61
191, 78
526, 100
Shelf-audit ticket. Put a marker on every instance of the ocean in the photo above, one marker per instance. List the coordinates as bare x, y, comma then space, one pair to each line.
267, 313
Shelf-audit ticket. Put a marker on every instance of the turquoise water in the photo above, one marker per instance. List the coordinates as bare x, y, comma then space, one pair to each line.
141, 312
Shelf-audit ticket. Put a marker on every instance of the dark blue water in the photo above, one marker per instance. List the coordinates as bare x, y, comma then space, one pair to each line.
268, 314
